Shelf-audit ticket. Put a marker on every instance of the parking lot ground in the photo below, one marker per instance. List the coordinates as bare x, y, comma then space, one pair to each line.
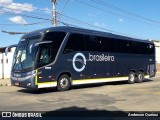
114, 96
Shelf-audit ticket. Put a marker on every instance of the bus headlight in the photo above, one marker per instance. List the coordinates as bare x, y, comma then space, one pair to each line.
28, 84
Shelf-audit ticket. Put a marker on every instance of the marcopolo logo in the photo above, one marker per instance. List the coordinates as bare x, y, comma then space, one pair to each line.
79, 58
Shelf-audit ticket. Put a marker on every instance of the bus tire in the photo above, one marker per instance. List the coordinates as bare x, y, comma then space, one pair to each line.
131, 78
140, 77
63, 83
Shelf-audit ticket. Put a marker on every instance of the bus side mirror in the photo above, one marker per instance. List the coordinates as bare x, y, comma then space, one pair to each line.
37, 44
7, 48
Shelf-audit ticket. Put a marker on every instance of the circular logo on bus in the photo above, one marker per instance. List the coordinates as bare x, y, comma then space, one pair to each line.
79, 62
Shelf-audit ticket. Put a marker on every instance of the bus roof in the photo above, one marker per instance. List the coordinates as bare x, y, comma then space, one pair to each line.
82, 30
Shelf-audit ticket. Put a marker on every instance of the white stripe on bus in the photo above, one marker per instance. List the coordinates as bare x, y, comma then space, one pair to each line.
47, 84
98, 80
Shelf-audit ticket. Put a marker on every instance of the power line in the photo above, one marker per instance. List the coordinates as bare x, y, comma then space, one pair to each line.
105, 4
84, 23
94, 26
116, 14
55, 22
81, 22
124, 11
35, 23
62, 9
33, 17
36, 17
29, 16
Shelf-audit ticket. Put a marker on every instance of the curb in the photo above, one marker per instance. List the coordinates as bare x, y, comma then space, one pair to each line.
158, 72
3, 85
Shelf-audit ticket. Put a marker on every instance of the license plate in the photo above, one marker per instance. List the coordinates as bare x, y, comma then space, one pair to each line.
17, 83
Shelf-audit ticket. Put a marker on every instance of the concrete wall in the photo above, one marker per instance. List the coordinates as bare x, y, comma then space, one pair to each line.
5, 64
157, 44
158, 54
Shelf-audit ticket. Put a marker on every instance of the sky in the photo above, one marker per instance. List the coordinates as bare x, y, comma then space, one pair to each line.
133, 18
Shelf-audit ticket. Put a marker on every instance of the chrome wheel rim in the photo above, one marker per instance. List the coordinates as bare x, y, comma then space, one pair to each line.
131, 77
64, 82
140, 77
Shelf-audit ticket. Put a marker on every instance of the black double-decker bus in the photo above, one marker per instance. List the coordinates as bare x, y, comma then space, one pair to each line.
65, 56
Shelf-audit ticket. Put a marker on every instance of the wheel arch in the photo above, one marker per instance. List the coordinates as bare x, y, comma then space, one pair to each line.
139, 70
132, 70
65, 72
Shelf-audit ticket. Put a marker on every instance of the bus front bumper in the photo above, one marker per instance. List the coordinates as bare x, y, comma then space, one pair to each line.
25, 82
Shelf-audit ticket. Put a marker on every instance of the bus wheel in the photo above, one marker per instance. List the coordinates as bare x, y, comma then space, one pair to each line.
140, 77
131, 78
63, 83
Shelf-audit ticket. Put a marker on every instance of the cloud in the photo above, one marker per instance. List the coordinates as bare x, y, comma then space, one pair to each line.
99, 24
18, 20
10, 6
4, 2
121, 20
47, 10
17, 8
92, 15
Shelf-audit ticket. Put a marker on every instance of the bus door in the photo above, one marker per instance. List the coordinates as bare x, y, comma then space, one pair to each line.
152, 70
44, 76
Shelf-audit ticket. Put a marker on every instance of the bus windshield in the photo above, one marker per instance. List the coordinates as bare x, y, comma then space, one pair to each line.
22, 58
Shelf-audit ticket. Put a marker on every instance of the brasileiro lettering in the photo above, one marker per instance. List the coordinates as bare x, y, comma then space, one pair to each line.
101, 57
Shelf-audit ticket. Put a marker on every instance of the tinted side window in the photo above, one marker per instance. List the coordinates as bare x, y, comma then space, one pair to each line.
108, 44
133, 47
123, 46
143, 47
75, 43
56, 37
93, 43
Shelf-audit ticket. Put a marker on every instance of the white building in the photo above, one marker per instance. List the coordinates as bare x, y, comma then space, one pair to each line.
157, 46
6, 62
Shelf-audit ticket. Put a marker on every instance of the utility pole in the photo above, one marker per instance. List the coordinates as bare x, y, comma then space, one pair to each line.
54, 12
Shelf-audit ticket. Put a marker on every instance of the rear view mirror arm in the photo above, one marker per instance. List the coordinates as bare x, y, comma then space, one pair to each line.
7, 48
